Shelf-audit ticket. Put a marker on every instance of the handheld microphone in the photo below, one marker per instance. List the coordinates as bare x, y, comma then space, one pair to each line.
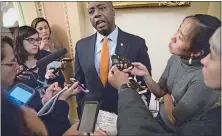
46, 60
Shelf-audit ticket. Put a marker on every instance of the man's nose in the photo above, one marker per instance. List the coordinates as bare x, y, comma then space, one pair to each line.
97, 13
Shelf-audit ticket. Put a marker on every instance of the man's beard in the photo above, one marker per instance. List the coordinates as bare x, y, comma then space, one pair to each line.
105, 32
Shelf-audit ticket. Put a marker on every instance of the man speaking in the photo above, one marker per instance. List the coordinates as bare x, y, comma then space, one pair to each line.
92, 56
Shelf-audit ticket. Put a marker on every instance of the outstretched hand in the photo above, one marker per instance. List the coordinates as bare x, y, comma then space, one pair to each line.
117, 78
138, 70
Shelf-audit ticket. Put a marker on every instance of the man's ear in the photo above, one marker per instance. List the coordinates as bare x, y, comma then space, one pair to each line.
114, 12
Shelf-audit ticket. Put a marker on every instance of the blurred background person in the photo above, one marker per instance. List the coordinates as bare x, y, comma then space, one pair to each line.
48, 42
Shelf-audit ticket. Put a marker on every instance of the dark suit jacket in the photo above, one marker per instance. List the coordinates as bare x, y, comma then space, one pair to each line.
134, 118
134, 49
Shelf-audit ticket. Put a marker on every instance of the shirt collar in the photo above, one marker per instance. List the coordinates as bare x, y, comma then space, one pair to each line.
112, 36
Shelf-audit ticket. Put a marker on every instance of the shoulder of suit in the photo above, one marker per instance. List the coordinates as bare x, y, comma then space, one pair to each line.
85, 39
132, 36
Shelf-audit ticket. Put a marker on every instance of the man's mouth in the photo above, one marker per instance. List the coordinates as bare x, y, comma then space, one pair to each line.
100, 23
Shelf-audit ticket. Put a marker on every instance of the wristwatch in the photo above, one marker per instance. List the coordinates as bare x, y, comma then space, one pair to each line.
124, 86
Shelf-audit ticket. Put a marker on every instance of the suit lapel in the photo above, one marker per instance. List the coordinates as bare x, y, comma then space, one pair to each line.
91, 62
121, 43
91, 50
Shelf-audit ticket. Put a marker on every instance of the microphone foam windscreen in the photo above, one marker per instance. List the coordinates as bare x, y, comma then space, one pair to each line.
51, 57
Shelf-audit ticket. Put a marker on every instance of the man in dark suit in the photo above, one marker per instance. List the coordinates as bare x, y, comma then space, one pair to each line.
92, 56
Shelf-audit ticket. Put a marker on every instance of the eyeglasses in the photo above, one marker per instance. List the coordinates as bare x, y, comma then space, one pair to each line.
13, 63
33, 40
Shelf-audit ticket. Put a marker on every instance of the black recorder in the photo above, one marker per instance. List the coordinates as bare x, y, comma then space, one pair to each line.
89, 117
120, 62
123, 63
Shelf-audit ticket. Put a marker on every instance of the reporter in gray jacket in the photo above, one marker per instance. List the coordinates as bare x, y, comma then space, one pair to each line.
134, 118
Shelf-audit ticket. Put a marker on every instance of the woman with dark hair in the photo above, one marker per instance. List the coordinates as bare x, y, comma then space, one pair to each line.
136, 119
181, 90
26, 41
44, 30
57, 121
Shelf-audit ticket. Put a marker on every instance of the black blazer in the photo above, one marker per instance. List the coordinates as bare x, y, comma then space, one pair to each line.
134, 49
57, 122
135, 119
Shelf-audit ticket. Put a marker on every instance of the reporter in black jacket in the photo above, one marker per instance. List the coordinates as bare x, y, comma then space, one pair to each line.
57, 122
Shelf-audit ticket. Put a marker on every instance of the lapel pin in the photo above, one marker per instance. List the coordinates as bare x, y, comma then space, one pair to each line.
121, 44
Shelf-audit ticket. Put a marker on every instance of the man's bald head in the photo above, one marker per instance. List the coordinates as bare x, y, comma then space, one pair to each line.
109, 2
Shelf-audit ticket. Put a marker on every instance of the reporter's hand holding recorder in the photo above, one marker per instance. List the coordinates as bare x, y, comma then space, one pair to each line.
137, 69
119, 77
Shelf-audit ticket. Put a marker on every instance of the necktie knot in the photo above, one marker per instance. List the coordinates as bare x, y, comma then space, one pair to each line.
105, 39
